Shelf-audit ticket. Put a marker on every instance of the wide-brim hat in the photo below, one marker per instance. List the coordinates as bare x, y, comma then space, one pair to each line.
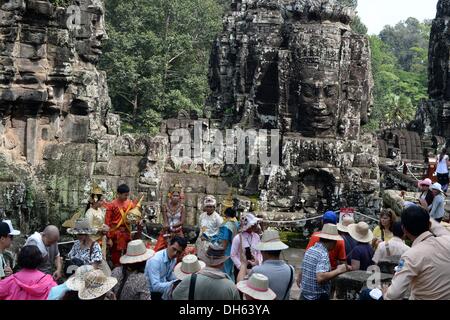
329, 232
343, 226
95, 285
270, 241
437, 186
189, 265
136, 252
360, 232
82, 227
76, 282
257, 287
214, 256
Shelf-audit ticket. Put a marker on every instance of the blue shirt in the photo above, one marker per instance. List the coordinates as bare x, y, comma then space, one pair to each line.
279, 274
225, 233
438, 207
363, 252
316, 261
159, 272
58, 292
350, 244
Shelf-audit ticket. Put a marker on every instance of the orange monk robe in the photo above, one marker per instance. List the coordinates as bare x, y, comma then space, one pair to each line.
119, 232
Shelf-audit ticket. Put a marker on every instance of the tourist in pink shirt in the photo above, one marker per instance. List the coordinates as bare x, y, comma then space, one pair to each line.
250, 240
29, 283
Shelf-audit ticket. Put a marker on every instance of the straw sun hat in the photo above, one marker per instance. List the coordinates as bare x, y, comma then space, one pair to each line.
270, 241
76, 282
257, 287
189, 265
136, 252
360, 232
330, 232
95, 285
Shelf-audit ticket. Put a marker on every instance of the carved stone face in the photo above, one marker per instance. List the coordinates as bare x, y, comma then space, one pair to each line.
315, 190
318, 104
92, 32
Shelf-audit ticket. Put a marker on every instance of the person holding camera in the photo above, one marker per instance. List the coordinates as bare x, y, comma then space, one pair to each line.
247, 241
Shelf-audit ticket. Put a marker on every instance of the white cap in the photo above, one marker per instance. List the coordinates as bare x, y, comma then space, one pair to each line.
248, 221
12, 231
437, 186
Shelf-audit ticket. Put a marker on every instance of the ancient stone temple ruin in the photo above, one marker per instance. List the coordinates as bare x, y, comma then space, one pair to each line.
433, 116
429, 132
294, 67
56, 133
415, 147
297, 66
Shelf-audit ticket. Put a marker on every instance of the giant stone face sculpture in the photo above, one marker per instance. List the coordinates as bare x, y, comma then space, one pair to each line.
316, 73
296, 66
91, 32
51, 90
292, 65
56, 128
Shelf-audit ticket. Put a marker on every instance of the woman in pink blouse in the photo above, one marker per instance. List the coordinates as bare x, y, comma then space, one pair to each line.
246, 242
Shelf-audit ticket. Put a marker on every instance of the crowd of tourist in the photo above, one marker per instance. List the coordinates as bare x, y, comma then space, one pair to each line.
233, 259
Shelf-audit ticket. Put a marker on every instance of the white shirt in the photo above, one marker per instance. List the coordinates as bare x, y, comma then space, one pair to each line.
396, 247
442, 167
209, 225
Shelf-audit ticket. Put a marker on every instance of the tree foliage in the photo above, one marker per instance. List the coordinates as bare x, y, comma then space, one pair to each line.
399, 65
156, 57
358, 26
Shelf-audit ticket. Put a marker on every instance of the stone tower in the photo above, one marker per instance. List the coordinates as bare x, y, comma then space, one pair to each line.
296, 66
433, 117
57, 134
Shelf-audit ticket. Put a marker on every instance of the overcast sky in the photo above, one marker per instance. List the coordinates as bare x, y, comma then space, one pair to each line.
377, 13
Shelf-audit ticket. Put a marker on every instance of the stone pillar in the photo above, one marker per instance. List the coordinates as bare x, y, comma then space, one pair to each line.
31, 141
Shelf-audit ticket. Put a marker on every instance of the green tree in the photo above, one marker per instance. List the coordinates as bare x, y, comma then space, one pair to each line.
399, 65
156, 57
358, 26
405, 36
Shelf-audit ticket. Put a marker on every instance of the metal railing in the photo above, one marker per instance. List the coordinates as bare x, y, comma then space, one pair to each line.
317, 217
